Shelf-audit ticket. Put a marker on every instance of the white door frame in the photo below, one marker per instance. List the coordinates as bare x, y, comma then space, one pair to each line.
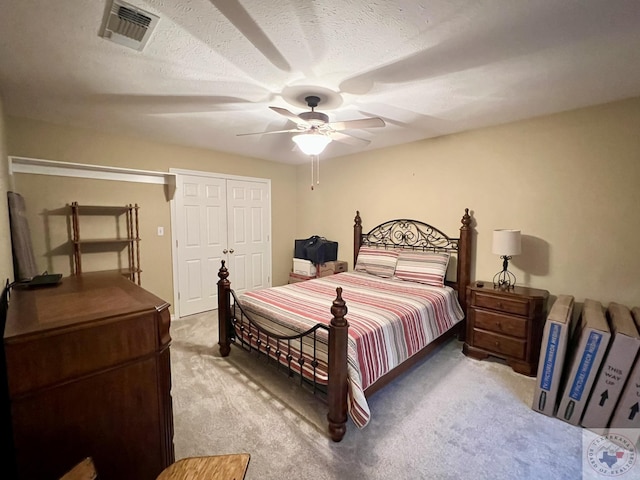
174, 233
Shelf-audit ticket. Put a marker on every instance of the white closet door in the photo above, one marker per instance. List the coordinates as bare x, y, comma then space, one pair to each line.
216, 219
202, 237
248, 234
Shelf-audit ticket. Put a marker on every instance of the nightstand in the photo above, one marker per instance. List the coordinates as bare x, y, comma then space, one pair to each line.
506, 324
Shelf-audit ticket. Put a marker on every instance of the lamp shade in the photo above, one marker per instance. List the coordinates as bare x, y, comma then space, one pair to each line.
507, 242
312, 143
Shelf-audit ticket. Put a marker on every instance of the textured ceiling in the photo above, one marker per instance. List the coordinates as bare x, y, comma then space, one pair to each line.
212, 68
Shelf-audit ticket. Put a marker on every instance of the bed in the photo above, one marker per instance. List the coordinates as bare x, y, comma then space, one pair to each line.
347, 335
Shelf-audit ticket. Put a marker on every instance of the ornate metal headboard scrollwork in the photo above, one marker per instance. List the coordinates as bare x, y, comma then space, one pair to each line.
409, 234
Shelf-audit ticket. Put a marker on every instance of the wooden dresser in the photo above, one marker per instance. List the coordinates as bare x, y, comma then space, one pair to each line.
88, 375
506, 324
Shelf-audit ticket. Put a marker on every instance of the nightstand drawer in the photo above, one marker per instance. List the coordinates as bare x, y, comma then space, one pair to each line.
500, 344
495, 322
502, 304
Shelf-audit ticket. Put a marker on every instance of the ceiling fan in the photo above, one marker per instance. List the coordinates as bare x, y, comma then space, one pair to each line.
315, 131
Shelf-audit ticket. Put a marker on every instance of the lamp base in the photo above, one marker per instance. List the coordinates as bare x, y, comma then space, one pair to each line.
504, 280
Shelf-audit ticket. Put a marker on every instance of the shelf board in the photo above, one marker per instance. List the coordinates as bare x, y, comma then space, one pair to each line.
101, 209
121, 271
105, 240
82, 170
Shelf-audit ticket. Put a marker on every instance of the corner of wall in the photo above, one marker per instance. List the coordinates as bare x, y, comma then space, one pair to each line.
6, 260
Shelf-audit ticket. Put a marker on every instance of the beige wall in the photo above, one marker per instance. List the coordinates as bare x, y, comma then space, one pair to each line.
46, 197
569, 182
6, 261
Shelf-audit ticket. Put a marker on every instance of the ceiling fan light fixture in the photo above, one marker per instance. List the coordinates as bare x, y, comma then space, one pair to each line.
312, 143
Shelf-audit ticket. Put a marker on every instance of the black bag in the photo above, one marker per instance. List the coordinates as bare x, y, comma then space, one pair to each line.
300, 250
316, 249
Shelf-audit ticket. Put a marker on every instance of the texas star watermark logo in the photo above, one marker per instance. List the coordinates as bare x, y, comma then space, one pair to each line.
612, 455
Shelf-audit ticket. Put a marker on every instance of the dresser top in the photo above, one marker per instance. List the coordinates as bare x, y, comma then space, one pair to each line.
77, 300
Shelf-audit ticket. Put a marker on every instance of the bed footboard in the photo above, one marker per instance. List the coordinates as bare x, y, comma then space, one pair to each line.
337, 386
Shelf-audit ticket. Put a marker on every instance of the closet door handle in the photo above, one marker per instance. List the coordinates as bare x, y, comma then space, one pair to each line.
231, 251
225, 251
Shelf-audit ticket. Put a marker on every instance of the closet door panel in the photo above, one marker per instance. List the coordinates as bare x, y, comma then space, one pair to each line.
201, 228
248, 207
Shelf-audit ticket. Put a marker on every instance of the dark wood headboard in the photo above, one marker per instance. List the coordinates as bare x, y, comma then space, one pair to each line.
417, 235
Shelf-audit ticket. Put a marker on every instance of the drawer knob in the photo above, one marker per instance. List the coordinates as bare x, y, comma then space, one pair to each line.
497, 343
499, 304
498, 324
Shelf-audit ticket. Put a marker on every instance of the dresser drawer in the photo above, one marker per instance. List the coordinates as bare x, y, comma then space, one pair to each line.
502, 304
500, 344
495, 322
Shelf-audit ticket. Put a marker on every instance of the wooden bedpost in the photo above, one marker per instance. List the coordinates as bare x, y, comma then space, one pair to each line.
464, 259
224, 310
338, 388
357, 237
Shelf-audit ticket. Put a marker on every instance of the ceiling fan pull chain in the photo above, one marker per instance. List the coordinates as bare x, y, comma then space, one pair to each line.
312, 172
315, 172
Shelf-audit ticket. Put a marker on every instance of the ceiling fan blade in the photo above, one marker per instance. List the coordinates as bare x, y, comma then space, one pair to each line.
165, 104
268, 132
291, 116
350, 139
360, 123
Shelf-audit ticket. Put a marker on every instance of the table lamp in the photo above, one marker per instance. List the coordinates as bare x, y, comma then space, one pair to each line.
506, 243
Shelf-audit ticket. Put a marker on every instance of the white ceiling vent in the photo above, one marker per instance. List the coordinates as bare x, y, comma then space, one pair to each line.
128, 25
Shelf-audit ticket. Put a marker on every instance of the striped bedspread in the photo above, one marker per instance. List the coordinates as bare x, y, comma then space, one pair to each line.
389, 321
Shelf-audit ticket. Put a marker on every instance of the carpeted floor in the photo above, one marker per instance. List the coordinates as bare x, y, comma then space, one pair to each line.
451, 417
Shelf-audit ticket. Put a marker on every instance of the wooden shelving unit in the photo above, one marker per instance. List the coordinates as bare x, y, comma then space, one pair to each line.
130, 241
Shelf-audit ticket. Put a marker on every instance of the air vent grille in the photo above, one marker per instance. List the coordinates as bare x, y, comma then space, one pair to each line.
128, 25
